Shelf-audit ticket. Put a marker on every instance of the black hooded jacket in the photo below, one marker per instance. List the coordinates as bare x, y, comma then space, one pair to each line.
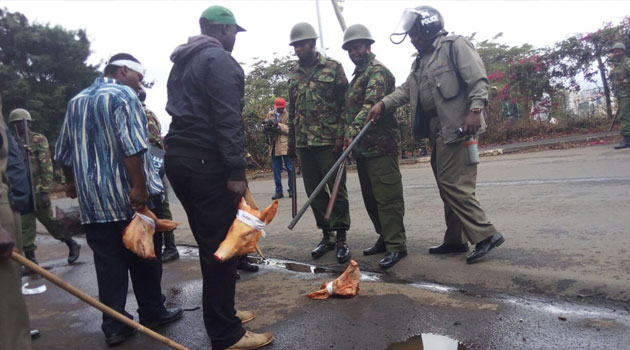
205, 101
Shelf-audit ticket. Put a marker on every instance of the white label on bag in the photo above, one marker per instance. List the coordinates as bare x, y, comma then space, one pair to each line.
250, 220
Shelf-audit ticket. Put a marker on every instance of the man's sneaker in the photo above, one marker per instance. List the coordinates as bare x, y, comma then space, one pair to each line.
277, 196
252, 340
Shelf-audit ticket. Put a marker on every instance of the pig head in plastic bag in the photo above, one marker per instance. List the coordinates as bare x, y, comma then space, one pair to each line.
245, 231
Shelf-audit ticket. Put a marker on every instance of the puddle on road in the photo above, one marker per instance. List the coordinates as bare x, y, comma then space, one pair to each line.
428, 341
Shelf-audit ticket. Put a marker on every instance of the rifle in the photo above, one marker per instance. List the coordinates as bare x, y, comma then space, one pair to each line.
328, 175
335, 190
26, 146
613, 120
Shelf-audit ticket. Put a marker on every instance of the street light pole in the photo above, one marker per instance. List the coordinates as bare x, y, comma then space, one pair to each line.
321, 32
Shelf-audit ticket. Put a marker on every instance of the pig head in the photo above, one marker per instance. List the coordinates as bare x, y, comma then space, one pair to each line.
245, 231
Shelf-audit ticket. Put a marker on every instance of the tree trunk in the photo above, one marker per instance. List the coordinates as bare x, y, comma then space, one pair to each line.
602, 72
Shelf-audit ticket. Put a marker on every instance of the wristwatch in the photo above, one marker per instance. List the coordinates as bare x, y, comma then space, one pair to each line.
476, 110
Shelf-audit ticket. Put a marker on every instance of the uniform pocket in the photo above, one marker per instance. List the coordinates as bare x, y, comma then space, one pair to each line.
446, 83
389, 188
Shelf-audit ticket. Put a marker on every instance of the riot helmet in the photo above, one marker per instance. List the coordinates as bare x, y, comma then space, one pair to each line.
425, 19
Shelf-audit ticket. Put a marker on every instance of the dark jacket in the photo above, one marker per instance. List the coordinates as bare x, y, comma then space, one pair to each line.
205, 100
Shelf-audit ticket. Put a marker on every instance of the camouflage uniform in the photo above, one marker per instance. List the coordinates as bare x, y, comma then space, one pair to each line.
316, 97
155, 139
620, 80
406, 142
377, 152
42, 169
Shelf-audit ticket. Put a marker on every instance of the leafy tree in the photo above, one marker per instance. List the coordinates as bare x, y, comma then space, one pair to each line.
41, 69
586, 53
263, 84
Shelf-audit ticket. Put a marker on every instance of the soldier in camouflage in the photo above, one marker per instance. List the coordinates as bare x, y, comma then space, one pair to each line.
41, 168
620, 80
170, 252
377, 152
317, 85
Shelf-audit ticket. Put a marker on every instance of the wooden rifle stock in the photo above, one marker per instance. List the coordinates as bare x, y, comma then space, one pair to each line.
335, 190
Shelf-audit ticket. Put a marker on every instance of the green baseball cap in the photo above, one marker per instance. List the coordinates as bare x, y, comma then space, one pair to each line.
220, 15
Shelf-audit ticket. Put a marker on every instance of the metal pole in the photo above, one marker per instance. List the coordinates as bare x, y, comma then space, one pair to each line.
330, 173
342, 21
321, 32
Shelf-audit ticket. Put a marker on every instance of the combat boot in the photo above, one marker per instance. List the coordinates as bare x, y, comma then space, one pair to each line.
625, 143
343, 251
170, 252
75, 250
325, 245
30, 255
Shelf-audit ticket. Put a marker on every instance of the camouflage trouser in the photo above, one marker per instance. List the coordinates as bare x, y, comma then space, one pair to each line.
316, 162
15, 329
29, 225
406, 141
381, 187
624, 114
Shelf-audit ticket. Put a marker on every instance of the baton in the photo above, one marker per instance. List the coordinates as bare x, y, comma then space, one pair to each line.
328, 176
93, 302
294, 193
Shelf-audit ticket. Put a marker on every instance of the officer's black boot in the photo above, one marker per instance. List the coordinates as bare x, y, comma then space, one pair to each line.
30, 255
343, 251
170, 252
75, 250
625, 143
325, 245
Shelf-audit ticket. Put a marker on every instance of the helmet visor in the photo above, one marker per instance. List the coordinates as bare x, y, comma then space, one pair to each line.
406, 22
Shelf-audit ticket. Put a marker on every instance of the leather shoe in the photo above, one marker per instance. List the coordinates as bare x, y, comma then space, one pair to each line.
74, 250
277, 196
245, 316
252, 340
117, 338
324, 246
447, 248
343, 252
246, 265
391, 258
483, 247
375, 249
168, 316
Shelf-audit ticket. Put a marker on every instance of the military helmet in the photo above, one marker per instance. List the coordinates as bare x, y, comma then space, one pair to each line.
302, 31
425, 19
356, 32
619, 46
19, 114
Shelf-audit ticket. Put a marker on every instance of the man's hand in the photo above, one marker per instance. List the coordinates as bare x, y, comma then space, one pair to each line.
375, 112
138, 197
70, 189
472, 123
45, 199
338, 148
236, 188
6, 243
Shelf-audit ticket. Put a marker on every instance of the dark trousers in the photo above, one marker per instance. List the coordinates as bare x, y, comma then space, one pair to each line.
114, 263
201, 188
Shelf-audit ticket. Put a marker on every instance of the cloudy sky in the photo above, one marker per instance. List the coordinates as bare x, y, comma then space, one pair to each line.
150, 30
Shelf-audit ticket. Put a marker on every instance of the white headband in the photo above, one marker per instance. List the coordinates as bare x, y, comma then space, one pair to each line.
133, 65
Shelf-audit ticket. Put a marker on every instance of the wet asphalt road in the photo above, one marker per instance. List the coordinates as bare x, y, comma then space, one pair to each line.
565, 217
383, 314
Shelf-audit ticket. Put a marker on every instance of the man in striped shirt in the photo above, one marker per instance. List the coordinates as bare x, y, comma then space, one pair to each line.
102, 147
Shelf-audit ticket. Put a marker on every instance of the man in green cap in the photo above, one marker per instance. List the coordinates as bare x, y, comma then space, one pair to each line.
317, 85
620, 81
205, 163
377, 152
41, 168
447, 90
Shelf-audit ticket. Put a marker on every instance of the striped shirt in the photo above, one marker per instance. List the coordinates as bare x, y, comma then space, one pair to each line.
104, 124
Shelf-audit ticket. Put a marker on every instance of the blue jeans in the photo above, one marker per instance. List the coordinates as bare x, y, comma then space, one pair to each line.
276, 165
